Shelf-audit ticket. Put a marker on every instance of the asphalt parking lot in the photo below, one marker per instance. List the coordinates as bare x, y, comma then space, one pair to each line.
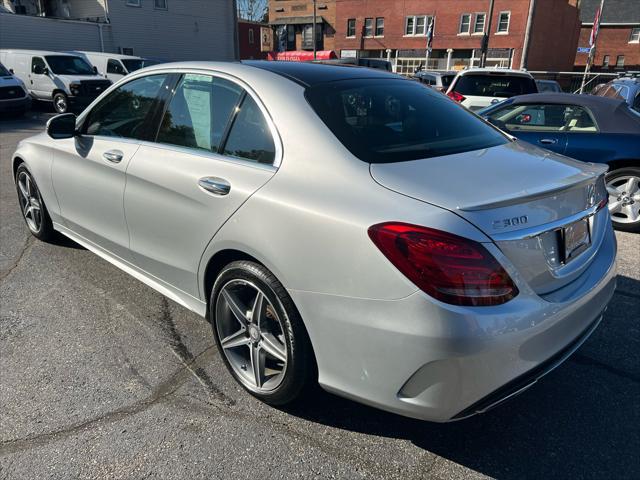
102, 377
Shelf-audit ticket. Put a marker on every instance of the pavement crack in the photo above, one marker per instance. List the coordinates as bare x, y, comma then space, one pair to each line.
16, 262
186, 357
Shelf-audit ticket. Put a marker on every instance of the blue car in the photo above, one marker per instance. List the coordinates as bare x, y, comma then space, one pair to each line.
585, 127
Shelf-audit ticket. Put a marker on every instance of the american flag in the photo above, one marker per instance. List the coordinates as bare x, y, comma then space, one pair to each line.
596, 27
430, 34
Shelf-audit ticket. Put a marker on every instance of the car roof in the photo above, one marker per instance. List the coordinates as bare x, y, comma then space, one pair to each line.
105, 54
37, 52
310, 74
495, 71
612, 114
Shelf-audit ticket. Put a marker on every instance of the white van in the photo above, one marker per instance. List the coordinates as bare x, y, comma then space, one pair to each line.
112, 65
66, 80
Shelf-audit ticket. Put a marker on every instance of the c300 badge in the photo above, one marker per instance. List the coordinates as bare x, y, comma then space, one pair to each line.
510, 222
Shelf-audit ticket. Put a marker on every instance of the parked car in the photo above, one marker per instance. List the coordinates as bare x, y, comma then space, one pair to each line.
584, 127
378, 63
110, 65
330, 233
439, 80
477, 88
14, 98
548, 86
626, 88
66, 80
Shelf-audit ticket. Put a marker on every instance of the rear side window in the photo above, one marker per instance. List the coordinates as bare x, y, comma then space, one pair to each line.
250, 137
124, 111
199, 112
501, 86
385, 121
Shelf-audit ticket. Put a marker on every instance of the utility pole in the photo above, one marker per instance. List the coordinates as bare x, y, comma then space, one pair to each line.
485, 37
314, 30
595, 30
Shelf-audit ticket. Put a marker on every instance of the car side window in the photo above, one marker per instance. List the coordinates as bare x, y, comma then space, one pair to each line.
250, 137
199, 112
38, 65
124, 111
545, 118
114, 66
636, 102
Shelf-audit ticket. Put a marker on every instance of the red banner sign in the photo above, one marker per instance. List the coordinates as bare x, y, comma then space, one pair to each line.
301, 55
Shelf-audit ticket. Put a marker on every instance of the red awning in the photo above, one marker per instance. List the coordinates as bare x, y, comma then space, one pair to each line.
301, 55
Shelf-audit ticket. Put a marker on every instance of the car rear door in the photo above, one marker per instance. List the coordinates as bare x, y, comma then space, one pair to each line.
89, 170
214, 148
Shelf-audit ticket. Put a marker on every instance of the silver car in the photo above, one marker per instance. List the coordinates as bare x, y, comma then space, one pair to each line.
335, 225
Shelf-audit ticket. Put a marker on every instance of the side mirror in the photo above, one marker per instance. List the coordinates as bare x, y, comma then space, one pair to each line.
95, 69
45, 71
62, 126
11, 71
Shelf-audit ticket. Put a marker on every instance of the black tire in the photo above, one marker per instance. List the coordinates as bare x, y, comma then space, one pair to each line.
617, 219
44, 230
60, 102
301, 372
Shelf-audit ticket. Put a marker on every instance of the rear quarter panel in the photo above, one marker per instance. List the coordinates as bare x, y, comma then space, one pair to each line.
603, 148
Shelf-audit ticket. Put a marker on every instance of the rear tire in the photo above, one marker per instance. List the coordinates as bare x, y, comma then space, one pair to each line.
34, 211
266, 348
623, 186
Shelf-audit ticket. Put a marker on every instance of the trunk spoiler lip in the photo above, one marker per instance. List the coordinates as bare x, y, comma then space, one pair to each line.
594, 174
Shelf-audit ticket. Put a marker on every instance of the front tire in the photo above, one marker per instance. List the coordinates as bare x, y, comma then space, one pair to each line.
260, 334
623, 186
60, 102
34, 211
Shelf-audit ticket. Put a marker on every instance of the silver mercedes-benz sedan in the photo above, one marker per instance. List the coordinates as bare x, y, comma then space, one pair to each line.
335, 225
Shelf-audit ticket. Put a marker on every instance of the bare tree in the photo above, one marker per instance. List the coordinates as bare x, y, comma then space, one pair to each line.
254, 10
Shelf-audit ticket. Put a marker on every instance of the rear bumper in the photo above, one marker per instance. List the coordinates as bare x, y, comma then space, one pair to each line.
427, 360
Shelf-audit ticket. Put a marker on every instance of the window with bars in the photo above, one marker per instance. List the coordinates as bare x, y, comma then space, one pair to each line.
503, 22
478, 26
368, 27
351, 27
465, 23
417, 25
635, 35
379, 27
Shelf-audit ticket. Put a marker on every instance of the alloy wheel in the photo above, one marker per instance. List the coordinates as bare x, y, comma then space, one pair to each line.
624, 198
251, 335
60, 104
30, 202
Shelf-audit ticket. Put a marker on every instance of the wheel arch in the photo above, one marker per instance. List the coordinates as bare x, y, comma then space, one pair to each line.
623, 163
15, 163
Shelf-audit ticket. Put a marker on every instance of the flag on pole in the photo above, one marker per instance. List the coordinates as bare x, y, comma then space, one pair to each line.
430, 34
595, 28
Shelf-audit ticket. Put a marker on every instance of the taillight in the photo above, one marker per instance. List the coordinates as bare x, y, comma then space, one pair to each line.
456, 97
450, 268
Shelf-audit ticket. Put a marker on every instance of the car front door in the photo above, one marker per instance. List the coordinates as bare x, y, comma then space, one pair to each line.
89, 170
214, 148
540, 124
39, 81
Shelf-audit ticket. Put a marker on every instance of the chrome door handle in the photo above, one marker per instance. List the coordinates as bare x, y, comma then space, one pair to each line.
215, 185
113, 156
549, 141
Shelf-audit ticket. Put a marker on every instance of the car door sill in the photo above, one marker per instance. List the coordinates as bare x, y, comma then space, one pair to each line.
175, 294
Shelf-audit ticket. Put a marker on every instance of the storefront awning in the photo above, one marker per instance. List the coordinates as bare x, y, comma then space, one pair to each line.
297, 20
301, 55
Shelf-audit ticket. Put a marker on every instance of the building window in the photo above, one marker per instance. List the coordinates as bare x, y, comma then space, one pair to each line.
351, 27
160, 4
416, 25
503, 22
368, 27
134, 3
379, 27
251, 39
465, 23
635, 35
605, 61
478, 26
126, 50
620, 61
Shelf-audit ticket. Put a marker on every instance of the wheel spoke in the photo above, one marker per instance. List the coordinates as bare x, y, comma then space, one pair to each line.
274, 347
236, 339
632, 213
28, 185
613, 191
23, 191
235, 308
614, 207
631, 186
256, 310
257, 364
28, 210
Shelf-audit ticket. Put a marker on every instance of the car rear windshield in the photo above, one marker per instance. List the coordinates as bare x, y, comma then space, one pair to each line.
68, 65
385, 121
495, 85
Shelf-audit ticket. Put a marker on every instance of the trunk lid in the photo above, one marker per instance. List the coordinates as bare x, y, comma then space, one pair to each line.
520, 196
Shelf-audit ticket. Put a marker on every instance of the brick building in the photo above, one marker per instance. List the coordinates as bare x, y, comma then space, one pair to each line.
533, 34
618, 45
293, 24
